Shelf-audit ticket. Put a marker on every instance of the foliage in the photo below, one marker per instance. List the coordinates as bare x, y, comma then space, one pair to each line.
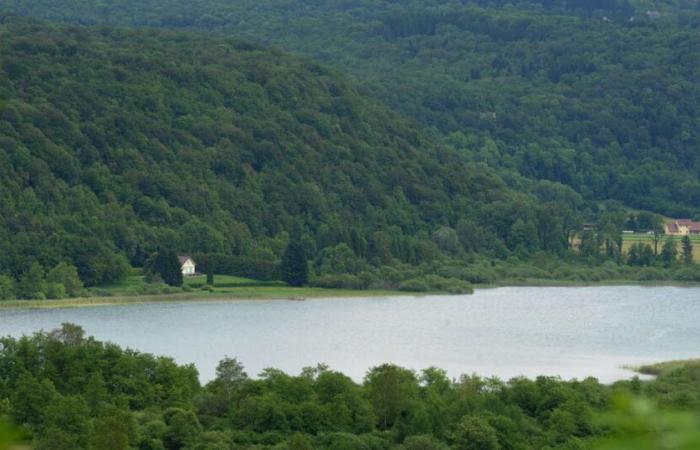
66, 390
294, 265
216, 146
639, 424
669, 252
166, 265
66, 275
687, 250
598, 95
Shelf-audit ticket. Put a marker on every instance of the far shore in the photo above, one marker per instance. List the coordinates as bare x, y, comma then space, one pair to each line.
300, 294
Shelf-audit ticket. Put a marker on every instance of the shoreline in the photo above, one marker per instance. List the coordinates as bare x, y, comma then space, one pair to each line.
301, 294
186, 297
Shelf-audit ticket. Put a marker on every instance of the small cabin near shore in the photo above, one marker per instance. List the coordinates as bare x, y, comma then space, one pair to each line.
187, 266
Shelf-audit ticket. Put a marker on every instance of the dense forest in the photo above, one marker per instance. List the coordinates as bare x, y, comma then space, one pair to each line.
116, 143
599, 95
64, 391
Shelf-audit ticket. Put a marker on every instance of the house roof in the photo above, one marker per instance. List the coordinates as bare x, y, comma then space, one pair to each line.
673, 227
183, 259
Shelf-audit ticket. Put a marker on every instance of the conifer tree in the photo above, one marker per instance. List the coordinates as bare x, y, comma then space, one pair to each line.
294, 266
166, 264
687, 247
669, 252
210, 274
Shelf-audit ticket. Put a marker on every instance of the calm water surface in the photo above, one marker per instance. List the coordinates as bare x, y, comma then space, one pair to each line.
570, 332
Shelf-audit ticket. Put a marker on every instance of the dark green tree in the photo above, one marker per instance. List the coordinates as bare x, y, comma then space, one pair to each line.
640, 255
687, 249
294, 266
391, 389
32, 283
66, 275
589, 244
210, 275
166, 264
669, 252
475, 433
7, 288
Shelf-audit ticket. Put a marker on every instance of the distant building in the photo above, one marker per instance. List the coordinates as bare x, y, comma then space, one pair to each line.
187, 266
589, 226
682, 227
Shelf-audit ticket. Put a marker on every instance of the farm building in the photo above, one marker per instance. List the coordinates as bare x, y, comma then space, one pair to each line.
187, 265
682, 227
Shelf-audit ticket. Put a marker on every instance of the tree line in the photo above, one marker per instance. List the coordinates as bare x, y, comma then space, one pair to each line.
63, 390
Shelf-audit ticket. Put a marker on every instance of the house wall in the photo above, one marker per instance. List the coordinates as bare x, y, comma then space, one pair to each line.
188, 268
683, 230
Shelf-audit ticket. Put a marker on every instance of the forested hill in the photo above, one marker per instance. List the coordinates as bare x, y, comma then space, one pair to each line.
600, 95
115, 142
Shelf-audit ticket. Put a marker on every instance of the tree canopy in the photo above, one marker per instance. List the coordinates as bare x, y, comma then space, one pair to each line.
601, 96
64, 390
116, 143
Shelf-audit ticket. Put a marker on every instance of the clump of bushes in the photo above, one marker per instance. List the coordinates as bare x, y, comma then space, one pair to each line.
652, 274
436, 283
414, 285
363, 280
61, 281
688, 274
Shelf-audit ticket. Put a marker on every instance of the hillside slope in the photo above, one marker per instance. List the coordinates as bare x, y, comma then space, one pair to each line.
568, 91
116, 142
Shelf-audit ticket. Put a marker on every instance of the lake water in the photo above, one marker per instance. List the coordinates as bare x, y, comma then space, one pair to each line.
570, 332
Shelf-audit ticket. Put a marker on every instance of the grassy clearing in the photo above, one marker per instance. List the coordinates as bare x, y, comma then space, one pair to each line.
630, 239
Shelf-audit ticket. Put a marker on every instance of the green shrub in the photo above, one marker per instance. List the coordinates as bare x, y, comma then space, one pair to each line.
690, 274
414, 285
480, 275
66, 275
55, 291
338, 281
7, 288
651, 274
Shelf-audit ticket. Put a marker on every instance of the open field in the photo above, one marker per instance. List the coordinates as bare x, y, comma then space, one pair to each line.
629, 239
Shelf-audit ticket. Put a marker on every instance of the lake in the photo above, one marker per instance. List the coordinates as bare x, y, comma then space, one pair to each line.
572, 332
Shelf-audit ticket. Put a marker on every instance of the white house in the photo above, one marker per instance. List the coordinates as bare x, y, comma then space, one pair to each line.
187, 266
